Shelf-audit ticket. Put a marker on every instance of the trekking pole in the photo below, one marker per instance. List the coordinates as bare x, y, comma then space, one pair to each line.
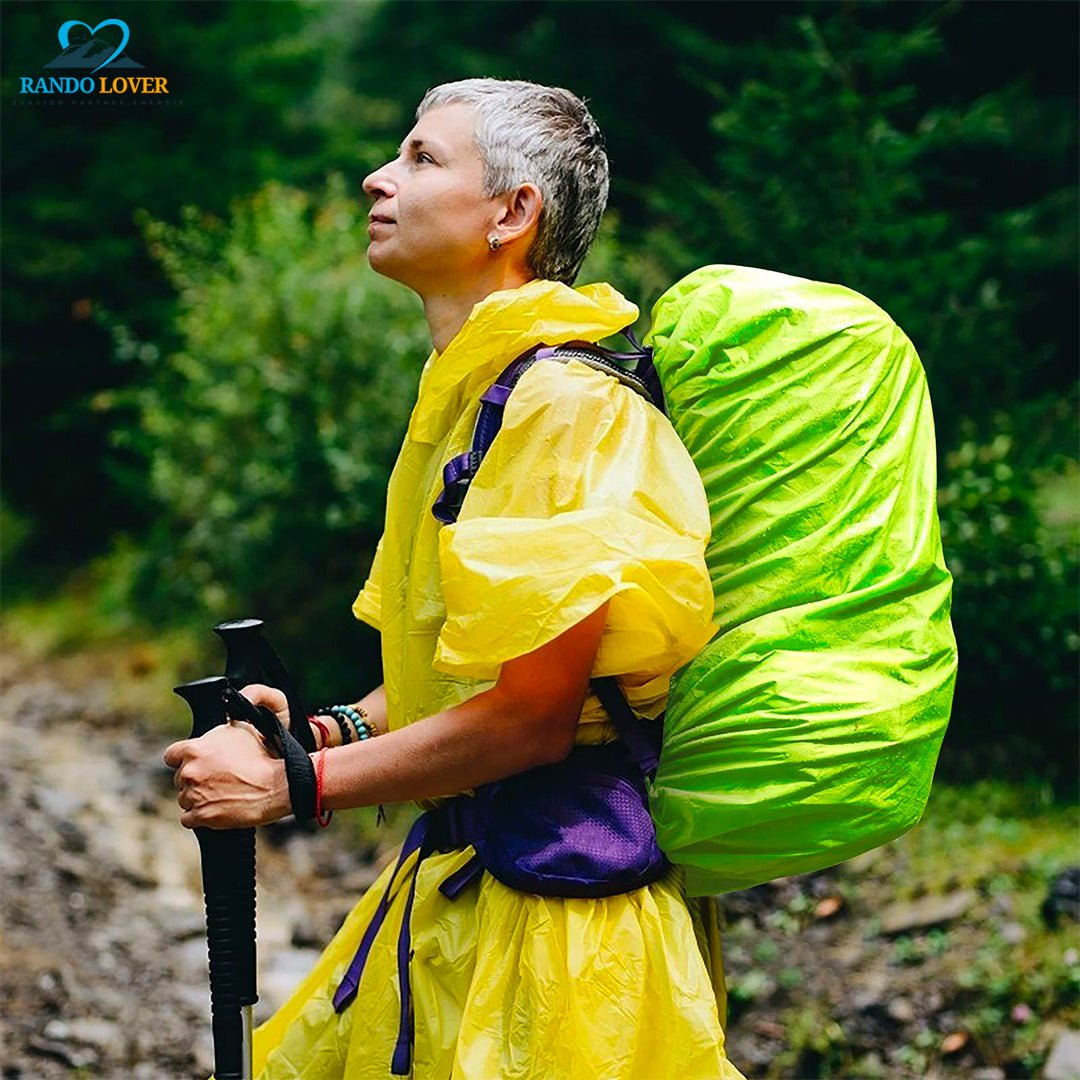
228, 873
228, 855
250, 658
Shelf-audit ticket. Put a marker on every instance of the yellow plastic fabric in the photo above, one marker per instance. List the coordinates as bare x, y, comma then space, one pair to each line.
564, 514
809, 729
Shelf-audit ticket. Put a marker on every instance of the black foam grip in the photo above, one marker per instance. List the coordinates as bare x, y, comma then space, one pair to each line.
228, 870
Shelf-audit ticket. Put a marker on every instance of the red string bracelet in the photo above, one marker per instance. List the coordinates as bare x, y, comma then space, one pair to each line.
323, 730
322, 819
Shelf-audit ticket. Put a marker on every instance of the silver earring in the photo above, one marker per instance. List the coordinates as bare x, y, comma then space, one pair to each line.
494, 243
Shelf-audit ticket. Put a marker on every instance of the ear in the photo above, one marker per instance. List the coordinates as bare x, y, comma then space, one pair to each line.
520, 212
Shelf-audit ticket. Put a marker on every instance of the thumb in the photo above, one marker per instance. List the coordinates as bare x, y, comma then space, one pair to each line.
174, 753
270, 696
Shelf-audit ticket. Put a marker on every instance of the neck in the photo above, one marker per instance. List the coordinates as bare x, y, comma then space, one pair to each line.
447, 309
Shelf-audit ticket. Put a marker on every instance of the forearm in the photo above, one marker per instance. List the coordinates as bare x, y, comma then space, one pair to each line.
484, 739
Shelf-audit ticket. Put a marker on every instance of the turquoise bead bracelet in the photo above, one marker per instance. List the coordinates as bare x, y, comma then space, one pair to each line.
350, 721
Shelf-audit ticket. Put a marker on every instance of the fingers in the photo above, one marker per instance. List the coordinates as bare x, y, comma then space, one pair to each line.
221, 778
270, 696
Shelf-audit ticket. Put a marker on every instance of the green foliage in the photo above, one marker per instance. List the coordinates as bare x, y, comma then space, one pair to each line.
829, 158
270, 433
238, 76
1014, 610
914, 950
998, 974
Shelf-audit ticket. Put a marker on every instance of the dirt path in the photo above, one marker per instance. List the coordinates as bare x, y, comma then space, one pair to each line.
103, 936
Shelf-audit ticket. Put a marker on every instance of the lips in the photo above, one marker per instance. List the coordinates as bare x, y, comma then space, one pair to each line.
381, 219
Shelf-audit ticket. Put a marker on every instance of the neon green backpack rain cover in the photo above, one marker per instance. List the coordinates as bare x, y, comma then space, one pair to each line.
808, 729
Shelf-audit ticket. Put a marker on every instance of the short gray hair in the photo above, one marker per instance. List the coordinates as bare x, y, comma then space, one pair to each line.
544, 135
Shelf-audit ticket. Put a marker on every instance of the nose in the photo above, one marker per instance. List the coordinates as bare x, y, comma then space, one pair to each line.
379, 183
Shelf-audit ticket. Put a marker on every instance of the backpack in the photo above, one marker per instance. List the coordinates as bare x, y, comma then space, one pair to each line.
808, 729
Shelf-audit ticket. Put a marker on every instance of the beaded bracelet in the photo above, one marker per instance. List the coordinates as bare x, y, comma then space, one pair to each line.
353, 723
364, 728
343, 727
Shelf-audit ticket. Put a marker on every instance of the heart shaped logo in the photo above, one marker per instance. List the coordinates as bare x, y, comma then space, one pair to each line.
63, 36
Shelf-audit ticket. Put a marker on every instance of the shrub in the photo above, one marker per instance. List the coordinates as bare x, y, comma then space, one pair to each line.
270, 433
1014, 559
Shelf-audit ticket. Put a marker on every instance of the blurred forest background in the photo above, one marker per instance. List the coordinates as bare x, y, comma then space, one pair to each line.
205, 386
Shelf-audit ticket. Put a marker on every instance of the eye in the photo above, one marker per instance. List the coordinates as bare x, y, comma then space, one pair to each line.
423, 154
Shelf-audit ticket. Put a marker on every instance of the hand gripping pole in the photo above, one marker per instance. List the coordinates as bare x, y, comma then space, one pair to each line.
228, 873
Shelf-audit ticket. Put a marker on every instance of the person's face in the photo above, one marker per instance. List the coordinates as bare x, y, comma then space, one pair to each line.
430, 220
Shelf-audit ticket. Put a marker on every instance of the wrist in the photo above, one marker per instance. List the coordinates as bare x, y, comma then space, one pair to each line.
326, 734
352, 723
280, 801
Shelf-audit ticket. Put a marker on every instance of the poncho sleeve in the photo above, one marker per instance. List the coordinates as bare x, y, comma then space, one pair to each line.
368, 603
585, 495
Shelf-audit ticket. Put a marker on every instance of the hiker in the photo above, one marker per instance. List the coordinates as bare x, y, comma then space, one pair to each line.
578, 553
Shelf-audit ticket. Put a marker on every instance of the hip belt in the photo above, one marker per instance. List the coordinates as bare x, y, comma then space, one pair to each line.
578, 828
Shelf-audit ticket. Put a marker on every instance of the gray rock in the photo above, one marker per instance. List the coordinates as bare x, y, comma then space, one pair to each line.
991, 1072
861, 863
279, 976
1064, 1060
100, 1034
870, 990
925, 912
183, 925
203, 1051
104, 1035
76, 1057
901, 1010
1063, 898
57, 803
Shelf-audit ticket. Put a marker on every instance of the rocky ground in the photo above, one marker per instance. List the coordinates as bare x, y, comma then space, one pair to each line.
103, 943
833, 974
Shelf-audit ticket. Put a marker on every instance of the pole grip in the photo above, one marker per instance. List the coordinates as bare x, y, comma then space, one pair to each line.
249, 658
228, 872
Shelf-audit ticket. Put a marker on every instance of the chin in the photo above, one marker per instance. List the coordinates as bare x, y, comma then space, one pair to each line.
381, 262
384, 264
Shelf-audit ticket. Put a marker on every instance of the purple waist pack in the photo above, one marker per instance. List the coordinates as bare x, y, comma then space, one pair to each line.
578, 828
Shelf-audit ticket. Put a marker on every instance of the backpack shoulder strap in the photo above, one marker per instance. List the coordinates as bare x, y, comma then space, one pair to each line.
633, 369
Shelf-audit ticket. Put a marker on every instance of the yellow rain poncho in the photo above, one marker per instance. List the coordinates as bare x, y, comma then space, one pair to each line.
586, 495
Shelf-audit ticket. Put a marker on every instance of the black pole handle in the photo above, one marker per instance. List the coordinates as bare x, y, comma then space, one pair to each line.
228, 873
251, 658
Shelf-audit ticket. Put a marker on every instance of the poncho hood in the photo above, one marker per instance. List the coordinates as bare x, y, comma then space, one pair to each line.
502, 326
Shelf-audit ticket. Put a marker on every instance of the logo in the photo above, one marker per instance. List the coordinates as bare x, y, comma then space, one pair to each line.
82, 50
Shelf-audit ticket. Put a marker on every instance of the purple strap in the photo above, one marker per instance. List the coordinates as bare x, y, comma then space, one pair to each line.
446, 826
348, 986
640, 736
634, 367
462, 878
401, 1063
442, 827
